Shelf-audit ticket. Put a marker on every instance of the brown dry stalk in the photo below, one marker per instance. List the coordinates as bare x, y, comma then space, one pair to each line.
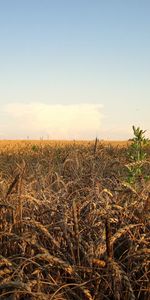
79, 285
109, 245
20, 207
101, 248
95, 146
16, 285
41, 228
76, 230
121, 284
56, 261
12, 185
129, 294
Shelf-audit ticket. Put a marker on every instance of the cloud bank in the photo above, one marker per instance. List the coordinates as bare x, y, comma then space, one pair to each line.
74, 121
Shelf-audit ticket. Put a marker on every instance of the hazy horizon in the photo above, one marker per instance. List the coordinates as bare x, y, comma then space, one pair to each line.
74, 70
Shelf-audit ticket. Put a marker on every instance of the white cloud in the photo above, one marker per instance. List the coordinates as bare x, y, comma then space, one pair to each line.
74, 121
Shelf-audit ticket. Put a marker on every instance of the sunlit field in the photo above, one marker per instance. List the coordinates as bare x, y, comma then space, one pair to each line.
13, 144
72, 226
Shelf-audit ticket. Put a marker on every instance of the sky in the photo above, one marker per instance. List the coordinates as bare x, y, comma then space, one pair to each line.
74, 69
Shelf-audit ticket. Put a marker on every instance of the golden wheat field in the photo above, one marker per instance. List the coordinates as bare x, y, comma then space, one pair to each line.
70, 226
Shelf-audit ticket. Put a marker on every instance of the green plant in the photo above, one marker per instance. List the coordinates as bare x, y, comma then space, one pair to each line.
137, 155
35, 148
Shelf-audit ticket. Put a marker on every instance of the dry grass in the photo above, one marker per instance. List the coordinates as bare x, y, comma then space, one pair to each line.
70, 228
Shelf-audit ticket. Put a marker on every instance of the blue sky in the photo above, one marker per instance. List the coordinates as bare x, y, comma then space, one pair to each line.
74, 69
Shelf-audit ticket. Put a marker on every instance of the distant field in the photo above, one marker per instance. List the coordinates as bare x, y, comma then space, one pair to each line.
21, 143
70, 225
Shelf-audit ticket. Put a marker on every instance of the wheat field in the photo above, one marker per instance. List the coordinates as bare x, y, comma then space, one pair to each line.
70, 226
